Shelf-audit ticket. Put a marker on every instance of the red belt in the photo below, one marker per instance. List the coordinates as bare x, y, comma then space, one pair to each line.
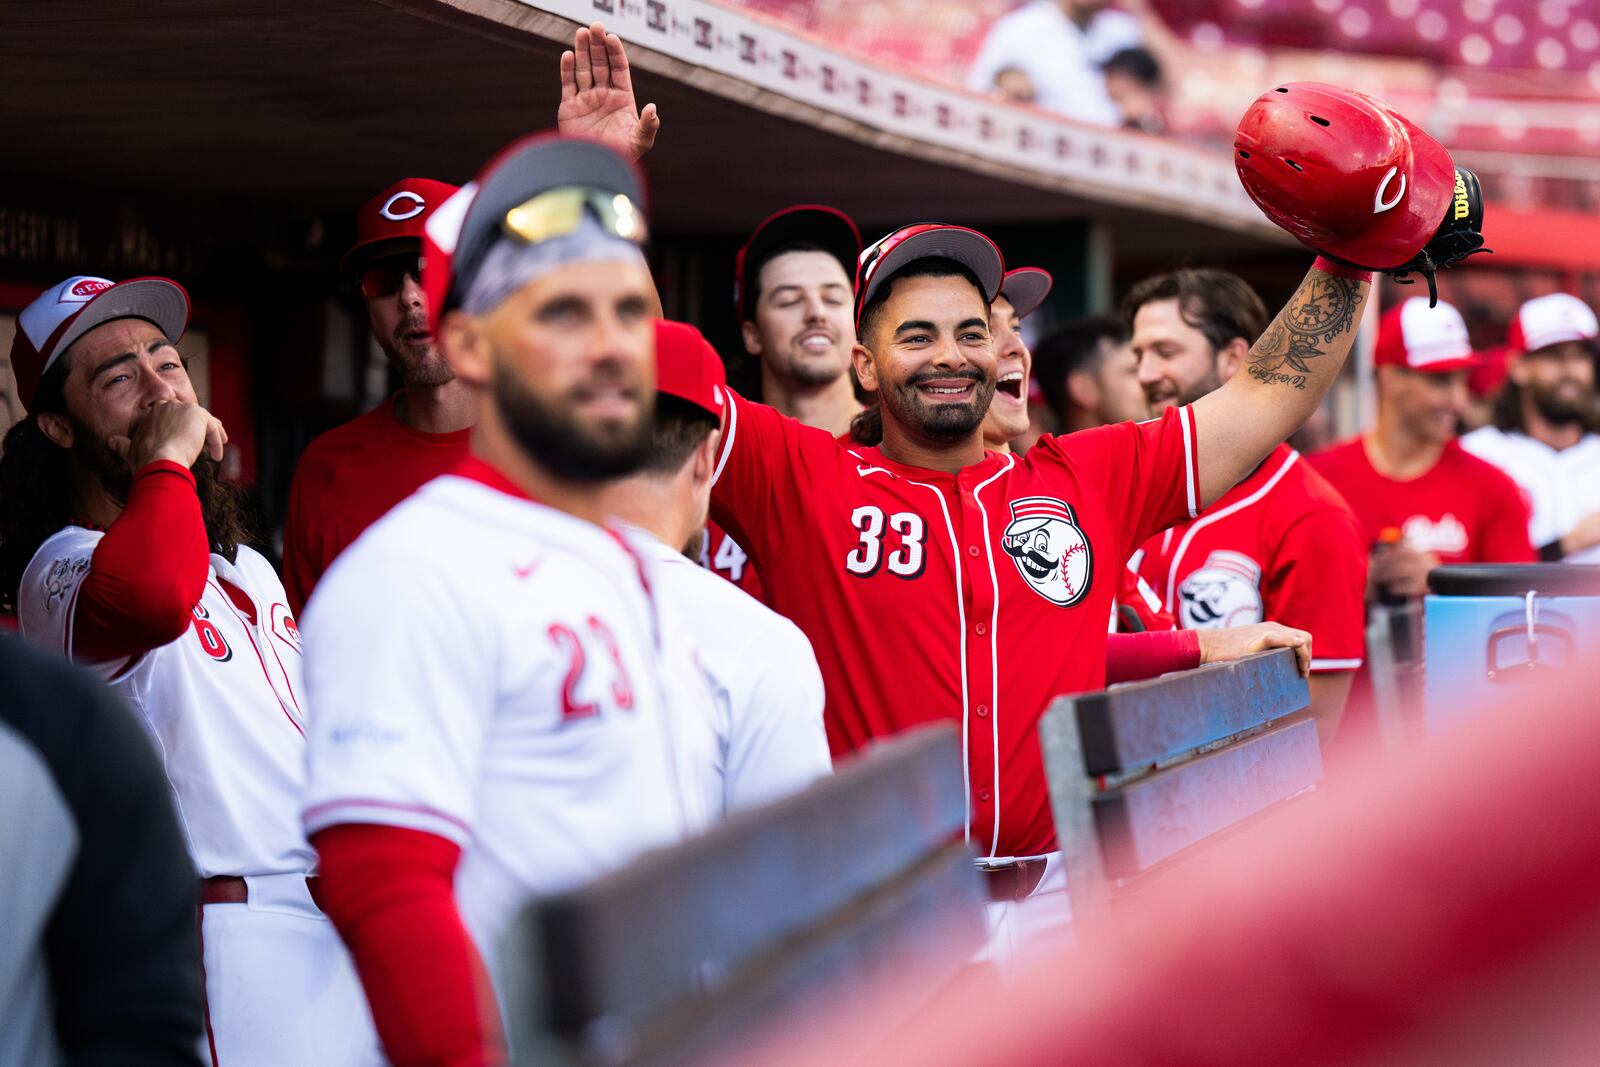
1014, 881
231, 889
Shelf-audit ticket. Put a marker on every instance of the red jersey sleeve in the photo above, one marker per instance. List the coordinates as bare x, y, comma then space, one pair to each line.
1138, 603
148, 571
1319, 584
1503, 537
389, 893
1146, 472
755, 494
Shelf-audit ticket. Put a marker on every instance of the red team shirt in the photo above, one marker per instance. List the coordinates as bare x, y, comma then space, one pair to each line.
975, 597
348, 479
1463, 509
1280, 546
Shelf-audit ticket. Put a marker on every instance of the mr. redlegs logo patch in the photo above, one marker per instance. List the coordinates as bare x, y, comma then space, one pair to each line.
89, 287
1050, 551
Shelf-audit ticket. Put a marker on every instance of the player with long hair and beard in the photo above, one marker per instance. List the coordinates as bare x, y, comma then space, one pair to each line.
124, 550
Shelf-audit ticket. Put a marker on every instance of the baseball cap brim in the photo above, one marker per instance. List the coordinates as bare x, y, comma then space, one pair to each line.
360, 256
157, 300
521, 171
1026, 288
967, 247
818, 224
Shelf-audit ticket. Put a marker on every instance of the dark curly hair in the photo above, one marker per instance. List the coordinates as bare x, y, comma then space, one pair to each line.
36, 493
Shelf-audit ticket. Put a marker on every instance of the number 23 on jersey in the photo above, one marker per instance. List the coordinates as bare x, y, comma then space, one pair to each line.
593, 658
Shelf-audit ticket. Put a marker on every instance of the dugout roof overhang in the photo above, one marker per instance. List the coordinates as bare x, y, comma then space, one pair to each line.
312, 105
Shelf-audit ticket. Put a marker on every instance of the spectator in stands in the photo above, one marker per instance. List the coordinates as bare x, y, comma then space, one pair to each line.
1280, 544
1014, 85
1059, 46
1136, 86
100, 959
1421, 498
1545, 421
1088, 374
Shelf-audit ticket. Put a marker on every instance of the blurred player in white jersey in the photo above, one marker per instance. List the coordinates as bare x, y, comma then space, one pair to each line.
494, 681
764, 677
1546, 430
124, 551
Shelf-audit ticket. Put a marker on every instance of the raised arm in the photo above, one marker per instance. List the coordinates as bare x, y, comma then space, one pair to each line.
1287, 373
1369, 191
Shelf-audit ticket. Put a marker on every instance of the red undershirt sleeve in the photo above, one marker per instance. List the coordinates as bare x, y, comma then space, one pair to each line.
148, 571
390, 893
1131, 657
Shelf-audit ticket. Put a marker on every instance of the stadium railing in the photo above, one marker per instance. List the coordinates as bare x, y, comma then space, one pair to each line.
1143, 772
779, 911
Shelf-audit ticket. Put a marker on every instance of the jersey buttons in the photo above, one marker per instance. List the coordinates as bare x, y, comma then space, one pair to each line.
983, 795
972, 550
983, 711
981, 629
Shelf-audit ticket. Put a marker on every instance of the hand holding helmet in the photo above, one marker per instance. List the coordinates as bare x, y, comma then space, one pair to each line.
1357, 182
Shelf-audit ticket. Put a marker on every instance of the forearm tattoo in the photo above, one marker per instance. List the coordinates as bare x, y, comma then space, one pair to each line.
1321, 311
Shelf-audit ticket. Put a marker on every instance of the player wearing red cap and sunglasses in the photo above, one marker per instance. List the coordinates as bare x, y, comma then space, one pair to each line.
940, 582
350, 476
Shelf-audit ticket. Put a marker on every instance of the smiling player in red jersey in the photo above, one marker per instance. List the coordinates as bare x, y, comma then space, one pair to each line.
940, 583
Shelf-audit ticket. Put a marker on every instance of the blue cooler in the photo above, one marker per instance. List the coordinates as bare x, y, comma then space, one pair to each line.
1494, 633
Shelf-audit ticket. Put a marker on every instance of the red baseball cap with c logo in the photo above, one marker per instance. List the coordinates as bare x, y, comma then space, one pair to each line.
392, 221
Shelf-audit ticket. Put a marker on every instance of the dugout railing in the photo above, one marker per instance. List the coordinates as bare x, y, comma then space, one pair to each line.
1142, 773
810, 902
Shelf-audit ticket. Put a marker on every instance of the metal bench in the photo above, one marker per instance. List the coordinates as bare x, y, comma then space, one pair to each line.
690, 950
1143, 772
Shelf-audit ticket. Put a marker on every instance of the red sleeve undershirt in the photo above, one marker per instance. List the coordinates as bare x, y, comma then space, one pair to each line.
1131, 657
390, 893
148, 571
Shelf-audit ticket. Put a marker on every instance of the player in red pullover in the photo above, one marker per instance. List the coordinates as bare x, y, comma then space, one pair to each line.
349, 477
1409, 474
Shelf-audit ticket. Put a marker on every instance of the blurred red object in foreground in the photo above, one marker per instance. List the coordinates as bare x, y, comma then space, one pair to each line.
1443, 909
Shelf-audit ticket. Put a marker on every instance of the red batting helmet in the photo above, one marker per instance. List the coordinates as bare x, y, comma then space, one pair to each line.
1344, 174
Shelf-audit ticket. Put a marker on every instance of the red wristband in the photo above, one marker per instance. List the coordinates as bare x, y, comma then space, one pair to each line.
1339, 270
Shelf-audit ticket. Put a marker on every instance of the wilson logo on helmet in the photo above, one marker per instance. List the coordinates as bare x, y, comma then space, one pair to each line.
401, 206
1379, 204
1462, 199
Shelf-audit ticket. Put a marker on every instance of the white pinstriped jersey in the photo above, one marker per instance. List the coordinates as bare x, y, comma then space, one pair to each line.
503, 675
223, 703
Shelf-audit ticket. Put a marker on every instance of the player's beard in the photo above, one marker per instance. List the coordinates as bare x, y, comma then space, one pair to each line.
1563, 406
95, 455
223, 507
418, 359
569, 449
939, 422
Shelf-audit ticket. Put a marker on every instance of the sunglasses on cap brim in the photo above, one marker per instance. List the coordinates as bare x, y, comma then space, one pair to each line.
557, 212
384, 277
